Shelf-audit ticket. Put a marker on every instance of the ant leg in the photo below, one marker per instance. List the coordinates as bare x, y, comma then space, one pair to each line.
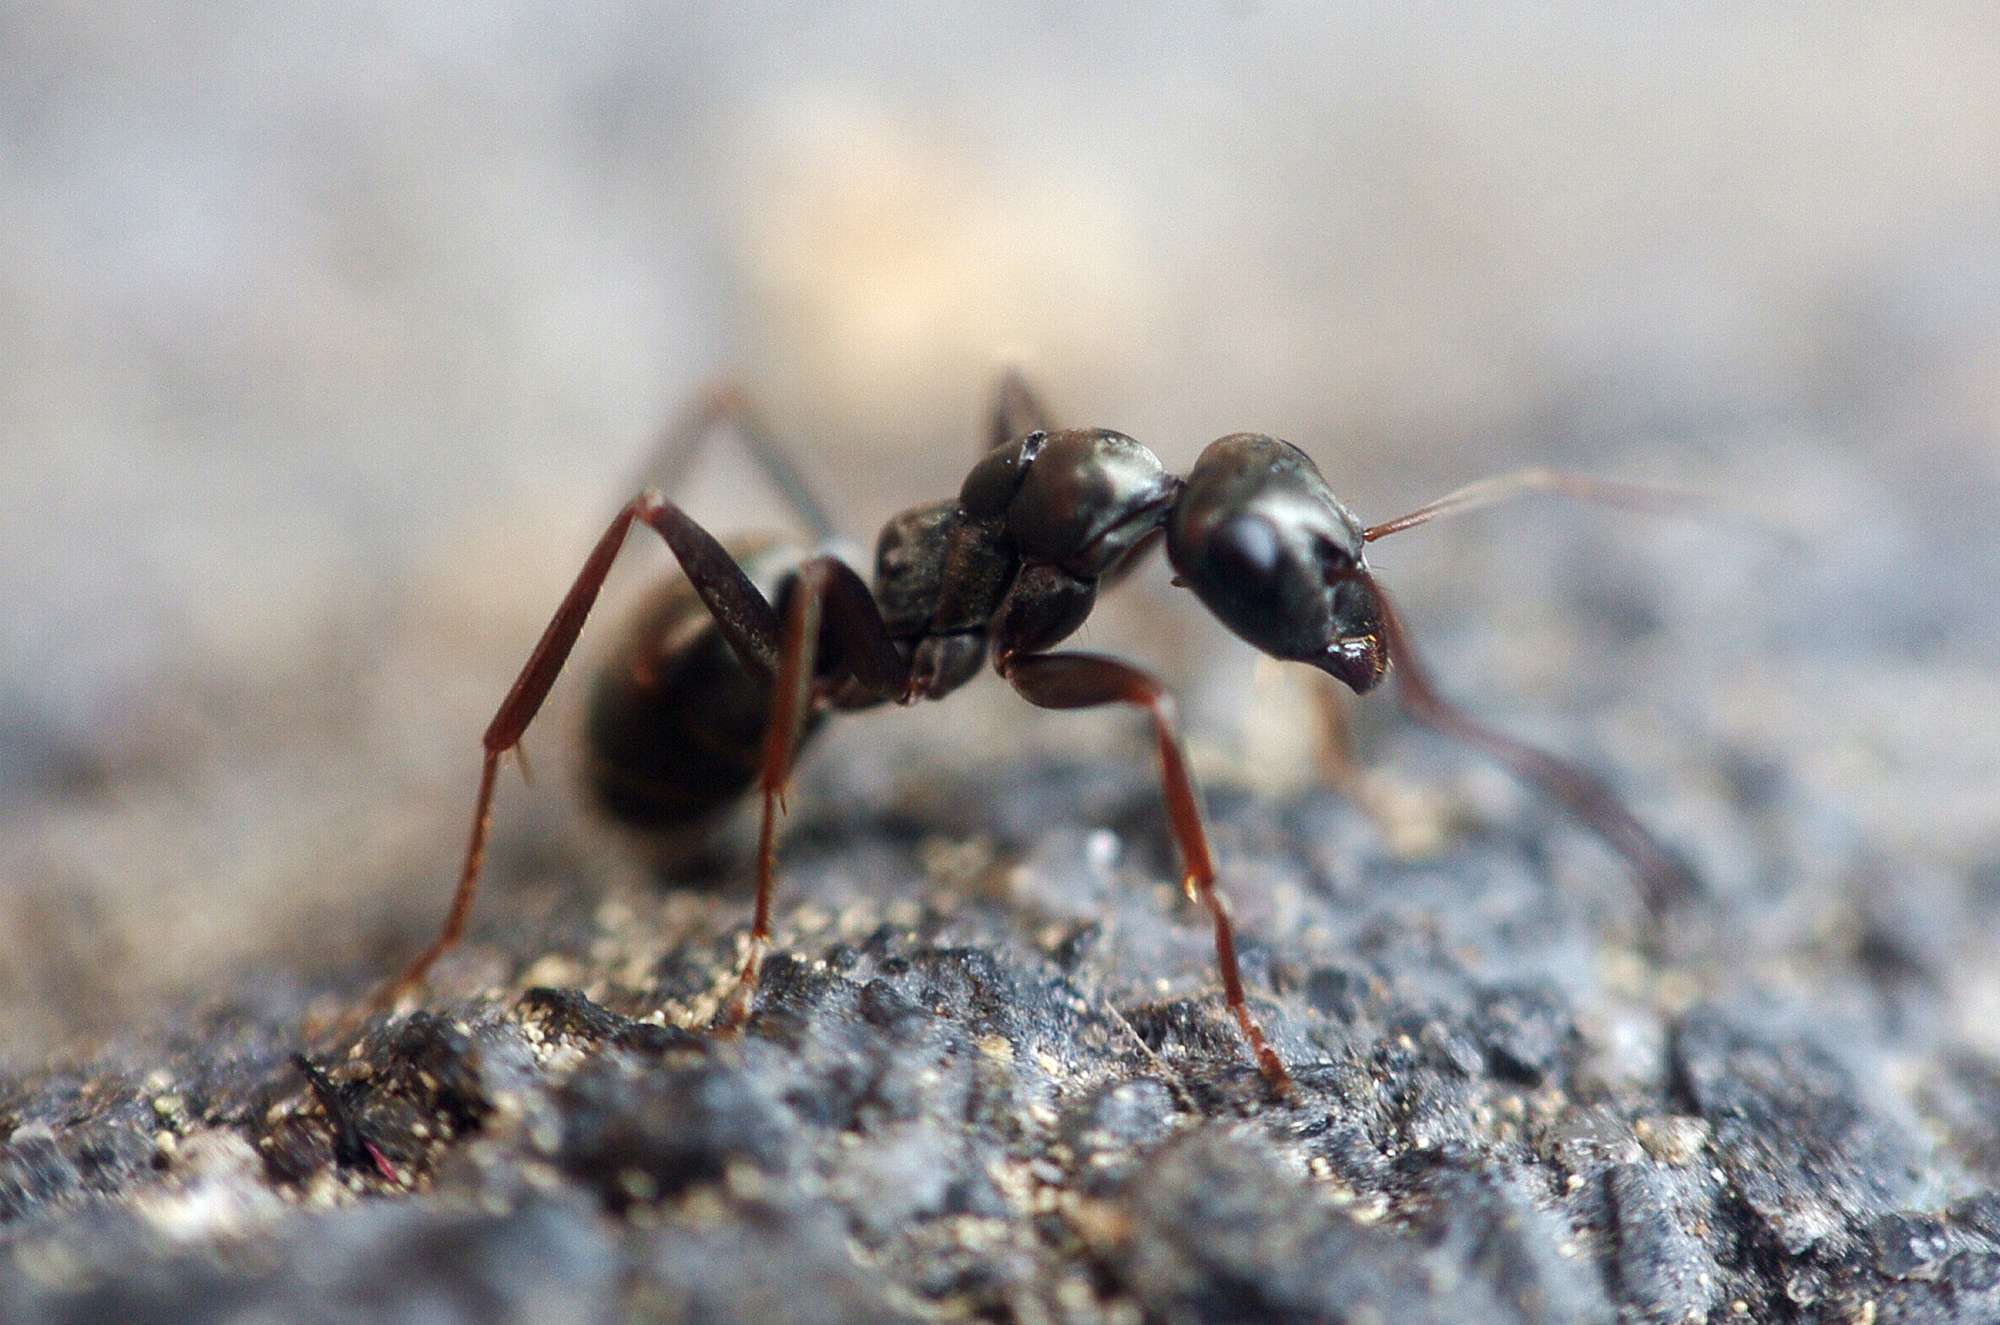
1411, 821
1333, 744
724, 405
1664, 880
791, 698
1653, 497
1334, 757
1017, 411
825, 587
746, 620
1087, 680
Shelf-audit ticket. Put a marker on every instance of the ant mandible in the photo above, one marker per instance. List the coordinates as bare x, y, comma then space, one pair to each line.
728, 669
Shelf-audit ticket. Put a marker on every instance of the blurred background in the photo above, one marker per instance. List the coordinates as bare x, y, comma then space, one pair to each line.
334, 332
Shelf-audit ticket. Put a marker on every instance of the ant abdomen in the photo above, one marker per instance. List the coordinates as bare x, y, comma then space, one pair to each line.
675, 724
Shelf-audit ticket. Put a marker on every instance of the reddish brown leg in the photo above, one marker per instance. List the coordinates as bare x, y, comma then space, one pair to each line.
1087, 680
1333, 746
747, 621
791, 697
723, 406
1411, 822
825, 588
1663, 879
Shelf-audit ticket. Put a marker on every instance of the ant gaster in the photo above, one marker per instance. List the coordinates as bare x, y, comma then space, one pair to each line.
728, 668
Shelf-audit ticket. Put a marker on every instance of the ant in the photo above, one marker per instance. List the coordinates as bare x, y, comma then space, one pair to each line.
730, 667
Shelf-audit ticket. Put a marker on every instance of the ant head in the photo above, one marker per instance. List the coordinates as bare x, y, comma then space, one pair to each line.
1266, 546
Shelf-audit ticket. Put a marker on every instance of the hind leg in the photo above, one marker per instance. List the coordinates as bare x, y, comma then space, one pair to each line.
725, 407
746, 619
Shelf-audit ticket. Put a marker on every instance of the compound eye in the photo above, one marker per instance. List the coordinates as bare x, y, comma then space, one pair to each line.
1245, 551
1335, 560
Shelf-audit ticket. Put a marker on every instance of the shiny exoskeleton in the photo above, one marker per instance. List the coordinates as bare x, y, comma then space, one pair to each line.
728, 669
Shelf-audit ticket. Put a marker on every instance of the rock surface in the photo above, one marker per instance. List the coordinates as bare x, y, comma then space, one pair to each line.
988, 1074
332, 342
988, 1077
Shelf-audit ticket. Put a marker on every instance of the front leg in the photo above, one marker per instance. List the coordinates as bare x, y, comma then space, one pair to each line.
1088, 680
1413, 821
1665, 880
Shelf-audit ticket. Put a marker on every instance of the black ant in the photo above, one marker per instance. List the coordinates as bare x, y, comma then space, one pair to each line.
730, 667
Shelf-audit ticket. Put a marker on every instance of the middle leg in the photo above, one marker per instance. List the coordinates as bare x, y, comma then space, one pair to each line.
825, 590
724, 407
